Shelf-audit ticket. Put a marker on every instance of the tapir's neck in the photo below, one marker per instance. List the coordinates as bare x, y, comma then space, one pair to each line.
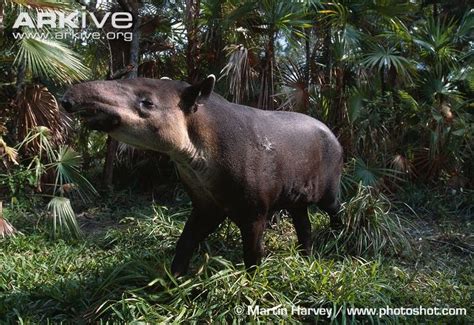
195, 169
191, 157
195, 151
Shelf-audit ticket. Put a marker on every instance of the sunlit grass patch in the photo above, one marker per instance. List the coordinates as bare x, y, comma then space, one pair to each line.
121, 274
212, 294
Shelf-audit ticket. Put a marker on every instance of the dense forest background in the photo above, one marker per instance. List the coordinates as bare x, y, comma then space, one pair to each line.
393, 79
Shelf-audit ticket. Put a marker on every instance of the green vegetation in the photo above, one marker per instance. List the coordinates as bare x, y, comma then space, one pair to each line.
81, 240
120, 271
369, 227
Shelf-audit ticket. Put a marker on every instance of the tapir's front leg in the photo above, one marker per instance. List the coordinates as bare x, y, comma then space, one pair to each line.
199, 225
252, 240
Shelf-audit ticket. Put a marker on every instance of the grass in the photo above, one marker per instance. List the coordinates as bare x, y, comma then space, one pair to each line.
369, 227
119, 272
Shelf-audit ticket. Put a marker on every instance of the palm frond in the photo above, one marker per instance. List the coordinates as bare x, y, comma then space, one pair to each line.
357, 171
295, 92
63, 219
335, 14
43, 4
6, 229
348, 39
434, 87
50, 59
355, 103
466, 26
238, 72
436, 40
8, 153
285, 16
68, 176
38, 107
381, 58
38, 141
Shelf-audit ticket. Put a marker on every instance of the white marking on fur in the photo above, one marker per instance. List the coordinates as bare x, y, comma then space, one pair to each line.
267, 145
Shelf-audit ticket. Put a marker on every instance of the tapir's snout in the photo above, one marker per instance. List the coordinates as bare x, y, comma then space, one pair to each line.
94, 103
67, 103
72, 98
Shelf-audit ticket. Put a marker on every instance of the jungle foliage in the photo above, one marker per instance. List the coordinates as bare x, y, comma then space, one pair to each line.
393, 79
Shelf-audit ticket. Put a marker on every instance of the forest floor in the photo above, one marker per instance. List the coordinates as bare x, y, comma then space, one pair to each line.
119, 270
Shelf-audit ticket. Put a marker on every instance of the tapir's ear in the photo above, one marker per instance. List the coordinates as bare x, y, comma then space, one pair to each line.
192, 94
207, 86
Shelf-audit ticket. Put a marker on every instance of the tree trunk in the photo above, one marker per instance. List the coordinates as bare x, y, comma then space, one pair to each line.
1, 19
193, 46
117, 64
382, 81
267, 90
217, 61
307, 51
327, 56
135, 46
112, 146
83, 144
20, 82
329, 73
339, 103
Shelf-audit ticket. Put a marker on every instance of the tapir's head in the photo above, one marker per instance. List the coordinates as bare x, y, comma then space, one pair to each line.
145, 113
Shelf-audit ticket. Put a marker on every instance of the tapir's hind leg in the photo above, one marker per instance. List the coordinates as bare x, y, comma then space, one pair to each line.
330, 204
302, 227
199, 225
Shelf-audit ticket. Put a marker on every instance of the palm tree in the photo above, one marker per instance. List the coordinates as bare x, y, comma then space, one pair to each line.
35, 60
254, 27
35, 114
126, 57
275, 17
239, 72
123, 56
62, 162
191, 16
444, 70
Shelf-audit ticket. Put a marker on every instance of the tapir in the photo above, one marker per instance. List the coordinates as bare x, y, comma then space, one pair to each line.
234, 161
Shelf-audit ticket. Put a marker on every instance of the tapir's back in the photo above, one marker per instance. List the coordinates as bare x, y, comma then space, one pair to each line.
280, 157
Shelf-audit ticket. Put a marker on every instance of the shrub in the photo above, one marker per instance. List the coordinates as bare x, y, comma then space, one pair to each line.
369, 228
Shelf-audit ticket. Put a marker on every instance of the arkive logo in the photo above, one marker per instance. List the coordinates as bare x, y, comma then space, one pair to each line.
73, 25
119, 20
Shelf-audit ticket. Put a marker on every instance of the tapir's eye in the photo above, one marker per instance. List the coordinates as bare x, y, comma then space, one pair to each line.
146, 103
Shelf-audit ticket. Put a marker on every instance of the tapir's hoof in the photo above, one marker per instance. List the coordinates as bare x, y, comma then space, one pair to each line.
178, 271
177, 274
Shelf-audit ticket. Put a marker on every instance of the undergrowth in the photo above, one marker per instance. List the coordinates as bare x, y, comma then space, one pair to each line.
120, 273
369, 227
